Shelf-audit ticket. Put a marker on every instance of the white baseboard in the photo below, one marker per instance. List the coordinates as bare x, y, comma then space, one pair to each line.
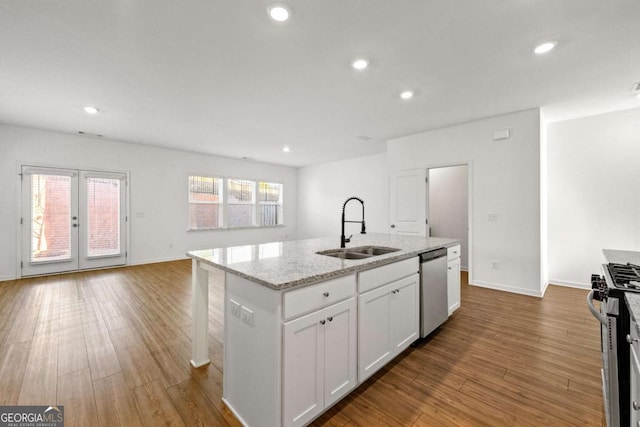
6, 278
157, 260
570, 284
506, 288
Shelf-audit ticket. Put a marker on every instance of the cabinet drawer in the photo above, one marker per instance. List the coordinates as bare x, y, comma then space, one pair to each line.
453, 252
371, 279
310, 298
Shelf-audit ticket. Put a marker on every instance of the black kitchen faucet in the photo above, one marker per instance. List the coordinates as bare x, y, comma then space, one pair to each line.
343, 239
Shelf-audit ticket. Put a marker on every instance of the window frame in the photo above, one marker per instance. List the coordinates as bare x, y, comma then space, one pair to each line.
221, 211
252, 203
224, 203
279, 204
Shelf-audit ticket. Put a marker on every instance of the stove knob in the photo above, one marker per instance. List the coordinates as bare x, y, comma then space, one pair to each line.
595, 281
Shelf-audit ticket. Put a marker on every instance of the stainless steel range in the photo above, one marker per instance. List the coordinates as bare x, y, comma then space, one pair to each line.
613, 315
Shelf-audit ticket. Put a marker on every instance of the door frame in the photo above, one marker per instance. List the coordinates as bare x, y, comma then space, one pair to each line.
127, 225
469, 164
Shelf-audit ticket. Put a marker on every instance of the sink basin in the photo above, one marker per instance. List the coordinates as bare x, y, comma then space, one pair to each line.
373, 250
358, 253
344, 254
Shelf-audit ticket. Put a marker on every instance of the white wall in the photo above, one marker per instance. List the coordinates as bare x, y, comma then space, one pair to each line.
323, 189
506, 181
448, 207
594, 192
158, 188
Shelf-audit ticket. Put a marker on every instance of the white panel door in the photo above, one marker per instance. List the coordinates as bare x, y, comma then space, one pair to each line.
71, 220
374, 331
453, 285
408, 202
405, 313
49, 220
340, 374
303, 363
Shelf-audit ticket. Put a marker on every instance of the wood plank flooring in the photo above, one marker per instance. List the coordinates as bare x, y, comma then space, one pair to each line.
113, 346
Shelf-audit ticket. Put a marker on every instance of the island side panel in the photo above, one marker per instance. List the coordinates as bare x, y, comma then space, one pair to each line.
252, 352
200, 314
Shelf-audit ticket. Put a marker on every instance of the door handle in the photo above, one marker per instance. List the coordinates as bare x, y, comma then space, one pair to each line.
75, 225
74, 218
393, 226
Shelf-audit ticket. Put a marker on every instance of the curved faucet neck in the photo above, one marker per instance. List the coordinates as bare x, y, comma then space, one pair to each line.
343, 239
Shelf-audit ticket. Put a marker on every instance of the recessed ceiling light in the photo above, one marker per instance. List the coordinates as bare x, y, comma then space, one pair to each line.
545, 47
286, 149
279, 12
91, 110
360, 64
407, 94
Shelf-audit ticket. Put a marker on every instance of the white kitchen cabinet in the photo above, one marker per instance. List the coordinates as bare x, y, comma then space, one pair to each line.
453, 278
388, 322
319, 361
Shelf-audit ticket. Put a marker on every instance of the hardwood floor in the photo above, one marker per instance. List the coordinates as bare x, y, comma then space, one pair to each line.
113, 347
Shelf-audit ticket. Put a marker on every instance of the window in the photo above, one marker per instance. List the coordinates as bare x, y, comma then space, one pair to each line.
241, 202
233, 203
270, 202
205, 202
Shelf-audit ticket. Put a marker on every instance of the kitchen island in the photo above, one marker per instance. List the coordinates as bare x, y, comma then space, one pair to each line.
302, 329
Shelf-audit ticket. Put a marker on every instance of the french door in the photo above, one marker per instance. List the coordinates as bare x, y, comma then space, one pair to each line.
72, 220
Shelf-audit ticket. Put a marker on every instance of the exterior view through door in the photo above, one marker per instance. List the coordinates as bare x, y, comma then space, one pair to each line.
71, 220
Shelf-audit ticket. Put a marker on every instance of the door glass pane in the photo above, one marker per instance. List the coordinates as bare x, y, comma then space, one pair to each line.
50, 217
103, 216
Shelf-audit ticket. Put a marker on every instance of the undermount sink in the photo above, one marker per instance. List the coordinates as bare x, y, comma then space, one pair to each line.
358, 253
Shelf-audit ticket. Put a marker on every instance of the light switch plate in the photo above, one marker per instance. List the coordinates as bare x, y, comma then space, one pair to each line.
247, 316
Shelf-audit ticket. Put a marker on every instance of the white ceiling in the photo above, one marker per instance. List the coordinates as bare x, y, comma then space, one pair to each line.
219, 77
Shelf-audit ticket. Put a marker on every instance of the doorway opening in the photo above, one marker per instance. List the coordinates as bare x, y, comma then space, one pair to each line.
448, 206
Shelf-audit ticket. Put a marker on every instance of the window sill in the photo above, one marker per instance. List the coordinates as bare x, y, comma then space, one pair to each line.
253, 227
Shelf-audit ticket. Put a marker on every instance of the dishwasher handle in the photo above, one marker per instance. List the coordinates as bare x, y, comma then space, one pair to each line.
601, 317
428, 256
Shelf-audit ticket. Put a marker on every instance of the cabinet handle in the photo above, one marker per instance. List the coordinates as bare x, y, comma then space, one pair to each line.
395, 291
455, 252
631, 340
330, 318
449, 268
636, 405
326, 294
322, 322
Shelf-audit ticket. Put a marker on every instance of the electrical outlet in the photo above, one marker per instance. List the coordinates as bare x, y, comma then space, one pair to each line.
247, 316
493, 217
495, 265
234, 307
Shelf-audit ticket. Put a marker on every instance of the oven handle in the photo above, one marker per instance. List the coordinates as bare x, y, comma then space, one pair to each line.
601, 317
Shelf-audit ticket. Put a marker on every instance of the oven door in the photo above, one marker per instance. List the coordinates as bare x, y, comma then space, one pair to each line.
607, 315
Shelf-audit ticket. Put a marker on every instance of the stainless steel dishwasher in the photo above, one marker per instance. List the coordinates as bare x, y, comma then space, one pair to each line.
434, 309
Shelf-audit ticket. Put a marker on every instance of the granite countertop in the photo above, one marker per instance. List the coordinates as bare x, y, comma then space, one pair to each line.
633, 302
621, 257
285, 265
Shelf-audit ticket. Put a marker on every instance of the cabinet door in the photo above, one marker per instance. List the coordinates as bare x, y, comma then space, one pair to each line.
405, 313
374, 331
340, 374
303, 364
453, 285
